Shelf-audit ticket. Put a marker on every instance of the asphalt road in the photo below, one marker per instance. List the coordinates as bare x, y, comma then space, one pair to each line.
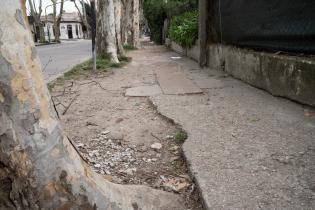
58, 58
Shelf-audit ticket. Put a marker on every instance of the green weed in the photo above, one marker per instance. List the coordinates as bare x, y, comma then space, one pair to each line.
180, 137
103, 63
129, 47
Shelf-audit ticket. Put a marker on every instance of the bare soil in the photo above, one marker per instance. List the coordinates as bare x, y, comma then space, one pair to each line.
116, 134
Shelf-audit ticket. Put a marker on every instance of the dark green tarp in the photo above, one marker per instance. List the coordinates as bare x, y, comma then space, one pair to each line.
272, 25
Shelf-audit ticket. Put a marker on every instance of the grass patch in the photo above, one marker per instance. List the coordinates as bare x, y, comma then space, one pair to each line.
177, 164
103, 63
129, 47
51, 86
124, 59
180, 136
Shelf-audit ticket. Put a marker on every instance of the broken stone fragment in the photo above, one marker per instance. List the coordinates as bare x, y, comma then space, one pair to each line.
80, 145
156, 146
174, 148
174, 158
130, 171
105, 132
175, 184
97, 165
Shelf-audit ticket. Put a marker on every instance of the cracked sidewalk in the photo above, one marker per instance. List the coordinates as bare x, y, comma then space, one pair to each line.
246, 149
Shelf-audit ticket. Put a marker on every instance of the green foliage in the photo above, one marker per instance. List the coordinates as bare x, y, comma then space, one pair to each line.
155, 14
156, 11
180, 136
184, 29
129, 47
124, 59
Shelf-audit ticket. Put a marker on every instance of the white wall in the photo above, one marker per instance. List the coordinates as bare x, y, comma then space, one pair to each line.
50, 29
64, 31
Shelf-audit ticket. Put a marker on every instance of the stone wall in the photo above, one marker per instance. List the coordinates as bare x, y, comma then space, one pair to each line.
192, 52
281, 75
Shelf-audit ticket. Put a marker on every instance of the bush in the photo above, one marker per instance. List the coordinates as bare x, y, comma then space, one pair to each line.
156, 11
184, 29
155, 14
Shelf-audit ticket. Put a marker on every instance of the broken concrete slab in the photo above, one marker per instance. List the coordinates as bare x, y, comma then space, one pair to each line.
210, 83
174, 82
143, 91
246, 149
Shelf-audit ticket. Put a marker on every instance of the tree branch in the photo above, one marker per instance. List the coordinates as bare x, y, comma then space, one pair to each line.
35, 7
81, 16
60, 12
40, 8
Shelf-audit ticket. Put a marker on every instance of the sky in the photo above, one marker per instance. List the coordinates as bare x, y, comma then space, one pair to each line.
68, 6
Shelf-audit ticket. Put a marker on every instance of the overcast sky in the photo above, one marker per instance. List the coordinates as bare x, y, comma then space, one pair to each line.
68, 6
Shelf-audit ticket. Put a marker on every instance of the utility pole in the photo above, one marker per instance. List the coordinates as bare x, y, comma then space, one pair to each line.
203, 31
93, 14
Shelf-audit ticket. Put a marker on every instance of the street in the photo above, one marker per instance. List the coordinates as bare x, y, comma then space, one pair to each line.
58, 58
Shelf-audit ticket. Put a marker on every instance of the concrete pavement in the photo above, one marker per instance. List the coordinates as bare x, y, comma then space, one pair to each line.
246, 149
58, 58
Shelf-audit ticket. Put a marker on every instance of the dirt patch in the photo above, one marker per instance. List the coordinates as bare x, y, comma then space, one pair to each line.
124, 138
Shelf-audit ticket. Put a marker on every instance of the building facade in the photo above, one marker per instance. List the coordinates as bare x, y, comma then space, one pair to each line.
70, 27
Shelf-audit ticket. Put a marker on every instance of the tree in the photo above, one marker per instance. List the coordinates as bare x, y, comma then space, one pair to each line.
57, 18
135, 27
156, 12
36, 15
118, 19
118, 23
106, 30
83, 16
130, 22
39, 167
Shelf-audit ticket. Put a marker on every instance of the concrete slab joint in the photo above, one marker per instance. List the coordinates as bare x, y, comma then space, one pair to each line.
174, 82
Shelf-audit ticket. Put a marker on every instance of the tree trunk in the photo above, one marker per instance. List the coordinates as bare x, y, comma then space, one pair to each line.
82, 16
124, 24
39, 167
36, 15
118, 14
55, 18
136, 24
106, 34
130, 19
41, 34
58, 21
